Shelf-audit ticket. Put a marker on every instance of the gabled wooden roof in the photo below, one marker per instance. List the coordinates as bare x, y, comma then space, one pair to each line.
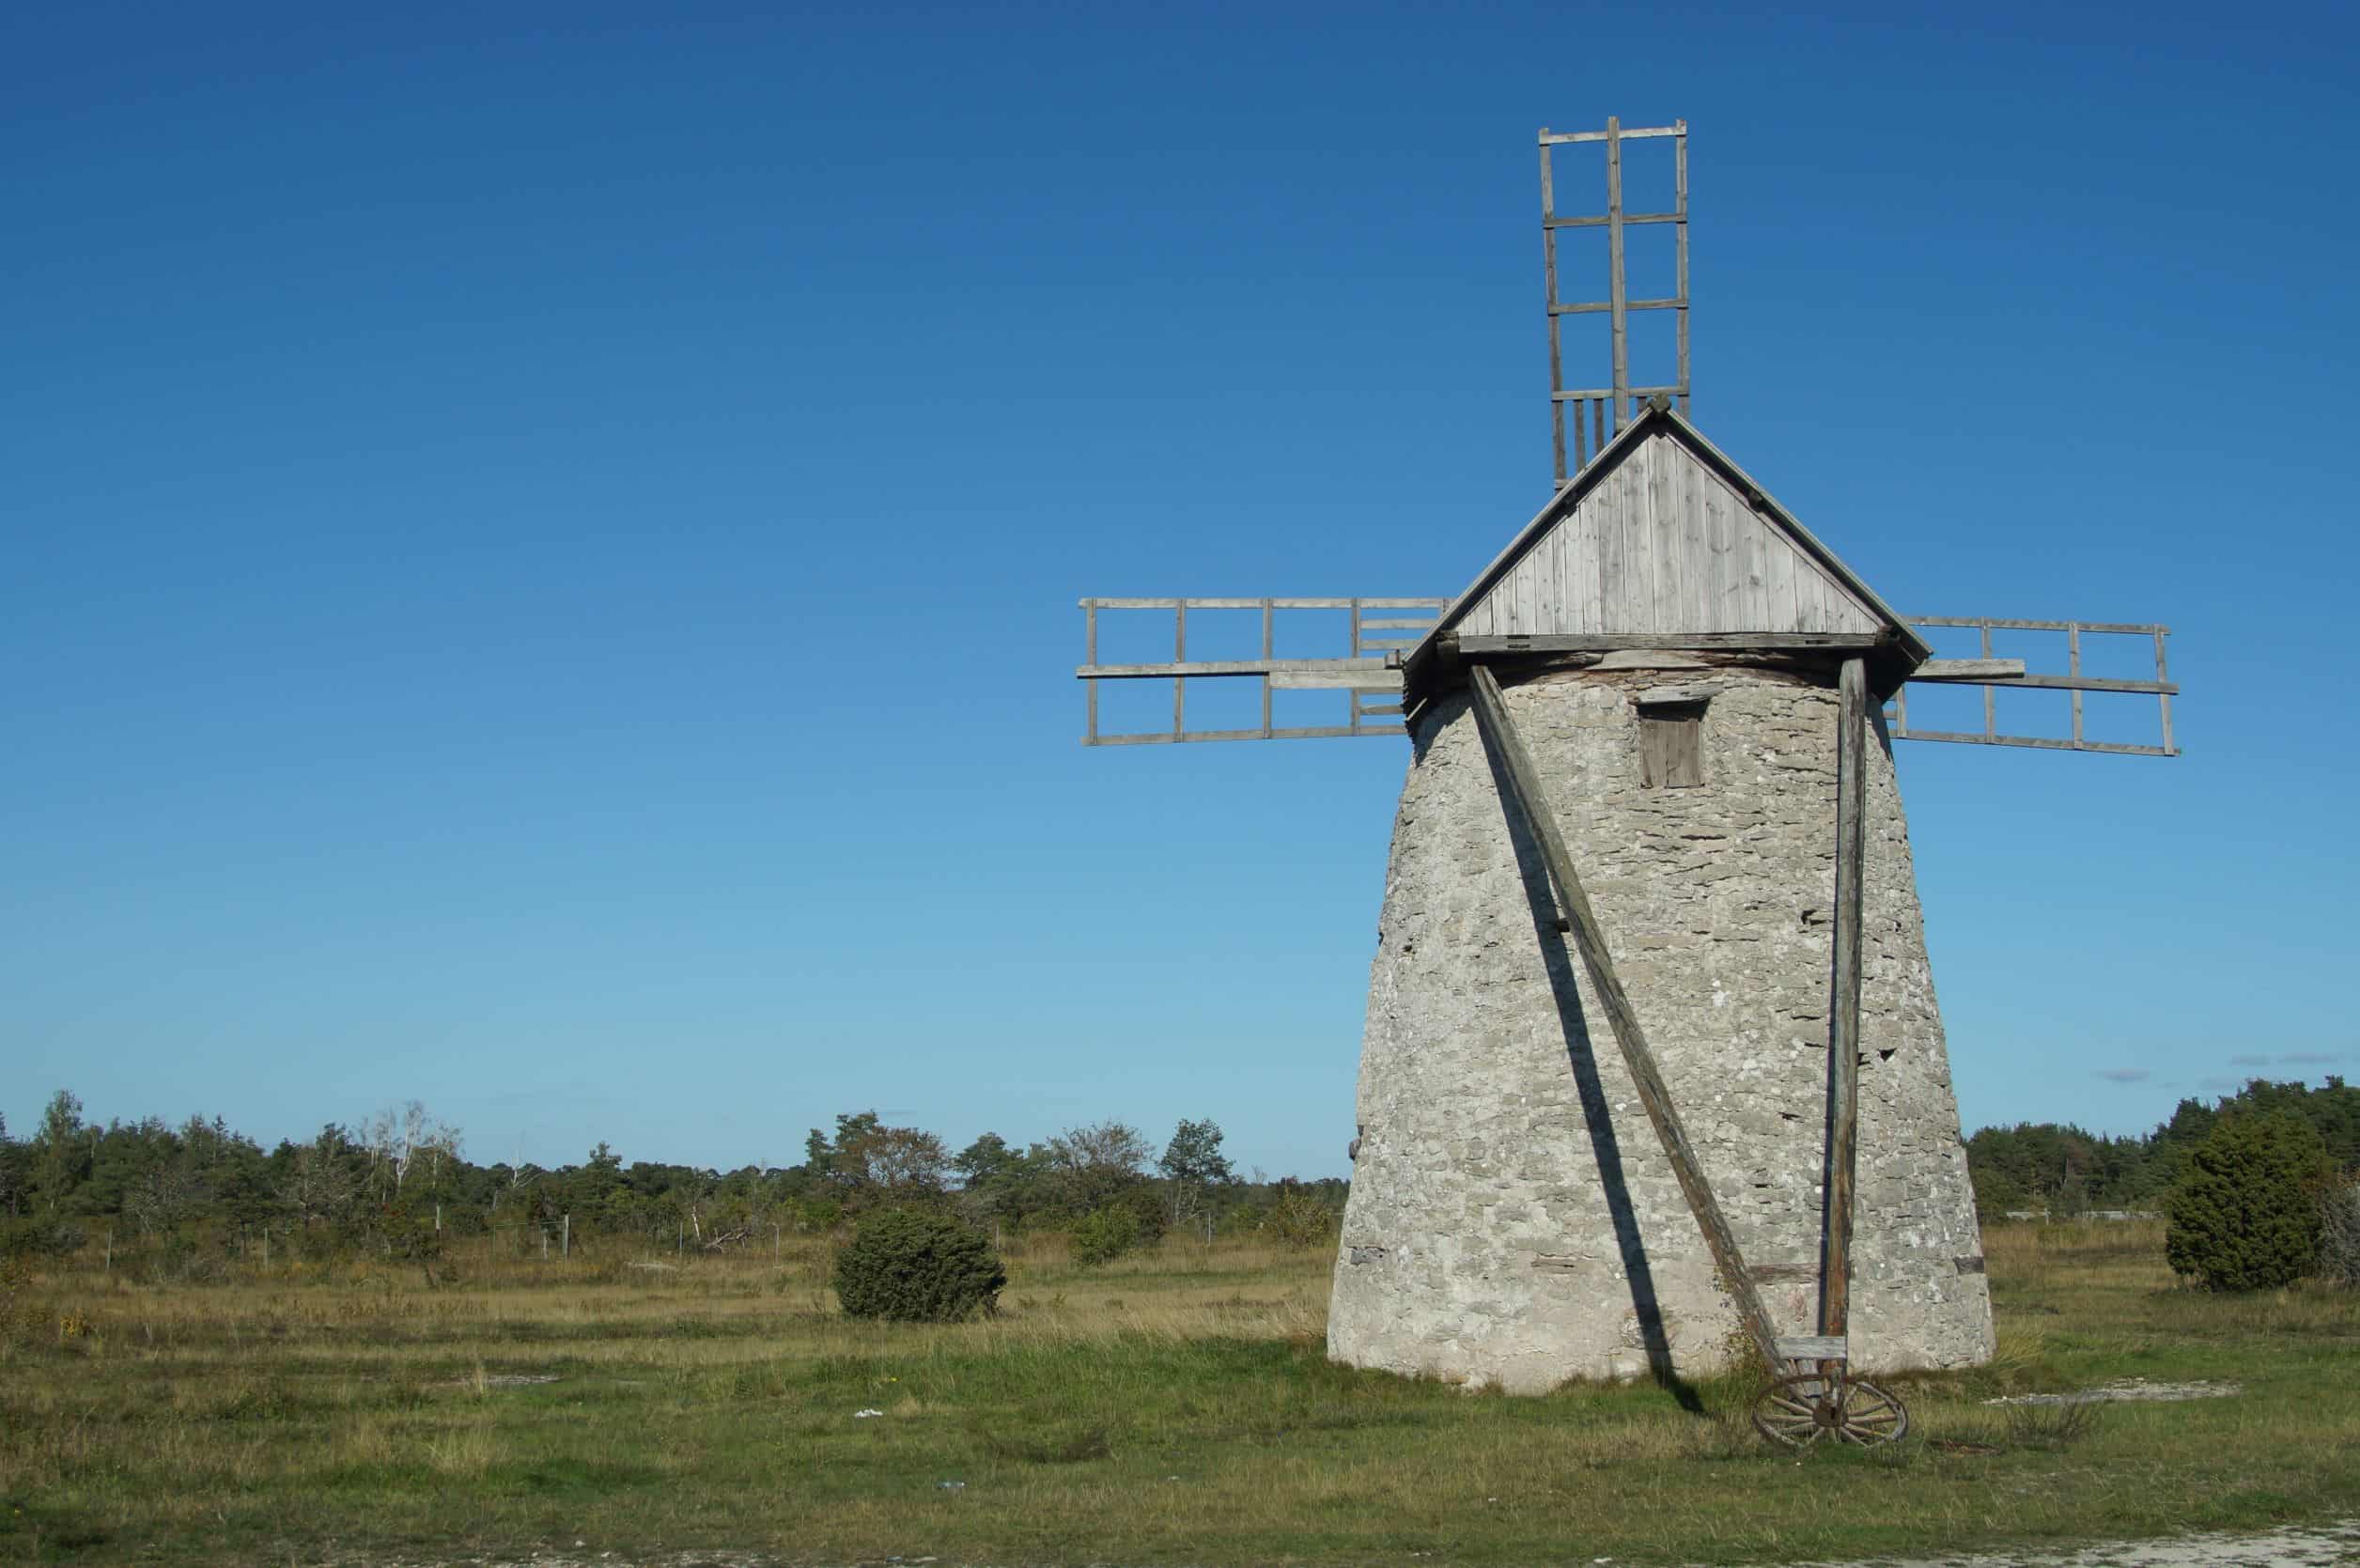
1663, 536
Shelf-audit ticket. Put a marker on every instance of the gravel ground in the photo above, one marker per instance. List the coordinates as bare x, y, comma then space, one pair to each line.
2316, 1547
2320, 1546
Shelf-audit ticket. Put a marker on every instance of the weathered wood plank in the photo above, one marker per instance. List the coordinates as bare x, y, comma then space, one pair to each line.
1631, 134
1680, 254
1666, 539
1548, 298
1813, 1347
1843, 1003
1729, 568
1968, 669
2036, 742
1604, 505
2115, 627
1602, 394
1586, 560
1435, 604
1638, 555
1600, 308
1532, 803
1746, 543
1214, 667
1701, 591
1335, 680
1269, 649
1617, 290
1778, 579
1317, 732
1598, 220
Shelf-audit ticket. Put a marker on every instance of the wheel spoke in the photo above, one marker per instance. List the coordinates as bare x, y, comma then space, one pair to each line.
1798, 1411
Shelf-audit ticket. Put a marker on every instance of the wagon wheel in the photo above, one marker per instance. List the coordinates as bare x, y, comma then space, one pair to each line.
1798, 1411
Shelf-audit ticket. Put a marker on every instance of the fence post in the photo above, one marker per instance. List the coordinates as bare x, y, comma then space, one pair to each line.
565, 1237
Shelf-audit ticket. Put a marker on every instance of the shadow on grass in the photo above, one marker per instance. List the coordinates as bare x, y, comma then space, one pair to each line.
35, 1533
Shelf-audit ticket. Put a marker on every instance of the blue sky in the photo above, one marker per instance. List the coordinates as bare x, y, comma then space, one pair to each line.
543, 541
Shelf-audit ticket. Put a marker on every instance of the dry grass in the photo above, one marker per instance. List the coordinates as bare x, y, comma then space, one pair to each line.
1175, 1406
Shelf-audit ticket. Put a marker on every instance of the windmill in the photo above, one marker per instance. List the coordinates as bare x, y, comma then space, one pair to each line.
1651, 797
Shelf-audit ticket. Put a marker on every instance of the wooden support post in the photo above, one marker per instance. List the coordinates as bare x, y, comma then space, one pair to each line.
1843, 1003
1090, 636
1179, 656
1549, 288
565, 1237
1680, 252
2073, 646
1352, 699
1524, 781
1989, 695
1616, 289
1268, 642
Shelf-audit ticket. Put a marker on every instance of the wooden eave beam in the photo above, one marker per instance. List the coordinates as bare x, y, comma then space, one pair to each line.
1433, 665
1478, 646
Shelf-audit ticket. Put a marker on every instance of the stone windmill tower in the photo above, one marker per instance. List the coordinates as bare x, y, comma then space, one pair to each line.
1652, 1060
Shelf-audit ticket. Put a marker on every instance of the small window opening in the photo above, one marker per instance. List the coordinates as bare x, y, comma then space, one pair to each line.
1670, 745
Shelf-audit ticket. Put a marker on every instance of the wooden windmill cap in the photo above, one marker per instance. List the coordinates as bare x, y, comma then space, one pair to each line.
1663, 542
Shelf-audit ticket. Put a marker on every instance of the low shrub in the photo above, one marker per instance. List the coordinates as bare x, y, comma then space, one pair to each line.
1104, 1235
2246, 1214
1151, 1209
1302, 1220
907, 1265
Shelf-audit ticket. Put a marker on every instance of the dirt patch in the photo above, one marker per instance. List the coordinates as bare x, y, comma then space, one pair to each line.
2130, 1389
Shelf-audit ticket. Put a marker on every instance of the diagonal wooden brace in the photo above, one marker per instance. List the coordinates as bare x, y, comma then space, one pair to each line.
1524, 781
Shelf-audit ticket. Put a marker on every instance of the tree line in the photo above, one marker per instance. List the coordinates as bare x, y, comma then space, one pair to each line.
2063, 1169
191, 1195
186, 1197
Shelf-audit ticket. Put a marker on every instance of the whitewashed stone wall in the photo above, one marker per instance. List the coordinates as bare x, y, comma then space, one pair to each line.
1513, 1219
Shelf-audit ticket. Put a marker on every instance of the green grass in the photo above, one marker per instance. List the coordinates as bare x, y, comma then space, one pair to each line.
1174, 1408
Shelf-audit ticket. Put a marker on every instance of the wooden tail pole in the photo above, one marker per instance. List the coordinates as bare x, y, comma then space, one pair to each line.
1524, 781
1843, 1003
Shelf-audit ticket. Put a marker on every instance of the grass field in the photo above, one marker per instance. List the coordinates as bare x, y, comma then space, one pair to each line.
1172, 1408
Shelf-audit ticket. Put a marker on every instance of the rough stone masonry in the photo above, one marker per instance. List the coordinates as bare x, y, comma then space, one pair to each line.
1513, 1219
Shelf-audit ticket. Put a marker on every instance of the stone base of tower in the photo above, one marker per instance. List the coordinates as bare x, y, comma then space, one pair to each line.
1513, 1219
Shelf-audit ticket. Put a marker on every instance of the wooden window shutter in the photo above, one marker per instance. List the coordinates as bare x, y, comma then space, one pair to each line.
1671, 745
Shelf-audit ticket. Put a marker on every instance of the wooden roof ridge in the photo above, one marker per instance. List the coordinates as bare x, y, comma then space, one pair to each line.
1655, 417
